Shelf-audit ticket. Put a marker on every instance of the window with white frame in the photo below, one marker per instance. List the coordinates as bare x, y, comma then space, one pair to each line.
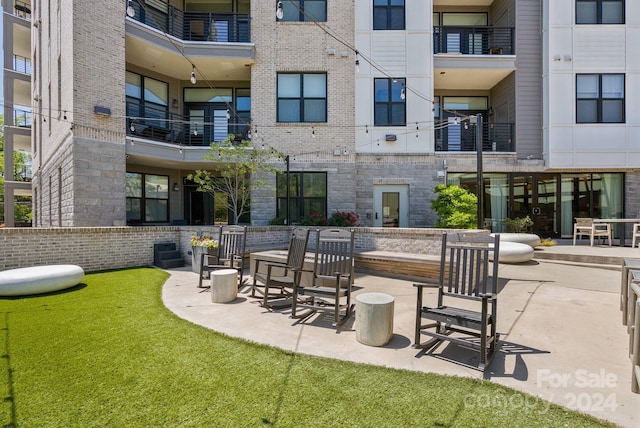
302, 97
388, 15
599, 11
389, 100
600, 98
304, 11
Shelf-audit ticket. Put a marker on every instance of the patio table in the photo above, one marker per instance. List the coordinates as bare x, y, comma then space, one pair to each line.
614, 221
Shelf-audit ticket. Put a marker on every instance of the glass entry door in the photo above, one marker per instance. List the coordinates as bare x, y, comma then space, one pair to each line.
537, 196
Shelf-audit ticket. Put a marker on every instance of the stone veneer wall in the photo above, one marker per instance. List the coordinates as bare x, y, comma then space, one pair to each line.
101, 248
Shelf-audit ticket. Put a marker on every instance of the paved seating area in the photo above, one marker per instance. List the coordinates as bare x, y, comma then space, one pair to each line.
559, 322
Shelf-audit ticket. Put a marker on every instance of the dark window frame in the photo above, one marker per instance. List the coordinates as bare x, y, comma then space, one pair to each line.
600, 99
302, 15
599, 12
389, 102
143, 198
384, 12
302, 99
297, 198
144, 105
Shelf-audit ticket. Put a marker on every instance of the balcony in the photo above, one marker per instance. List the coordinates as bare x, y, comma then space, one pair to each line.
496, 137
194, 26
473, 40
157, 124
22, 9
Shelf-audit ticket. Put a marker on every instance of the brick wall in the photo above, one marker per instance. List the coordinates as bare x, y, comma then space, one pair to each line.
100, 248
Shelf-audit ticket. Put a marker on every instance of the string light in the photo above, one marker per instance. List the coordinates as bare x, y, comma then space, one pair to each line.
193, 74
279, 10
131, 12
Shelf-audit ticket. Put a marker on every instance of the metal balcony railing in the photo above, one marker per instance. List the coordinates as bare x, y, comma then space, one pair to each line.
22, 118
194, 26
474, 40
496, 137
21, 64
157, 124
22, 9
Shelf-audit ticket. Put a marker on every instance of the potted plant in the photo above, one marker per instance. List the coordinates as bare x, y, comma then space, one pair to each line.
201, 245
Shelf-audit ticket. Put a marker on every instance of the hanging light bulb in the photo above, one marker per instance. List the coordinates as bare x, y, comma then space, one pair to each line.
279, 11
195, 131
228, 114
193, 74
357, 65
131, 12
249, 134
455, 120
313, 132
131, 126
403, 94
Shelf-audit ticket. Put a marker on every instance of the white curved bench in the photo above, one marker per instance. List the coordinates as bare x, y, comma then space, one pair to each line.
530, 239
39, 279
513, 252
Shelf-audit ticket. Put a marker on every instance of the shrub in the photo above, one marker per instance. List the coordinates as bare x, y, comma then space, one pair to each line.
315, 219
456, 207
518, 224
343, 219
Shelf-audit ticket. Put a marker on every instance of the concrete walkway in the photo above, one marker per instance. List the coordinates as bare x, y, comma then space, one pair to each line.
560, 322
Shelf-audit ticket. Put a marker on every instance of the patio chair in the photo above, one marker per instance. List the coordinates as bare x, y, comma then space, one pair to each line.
279, 278
330, 288
467, 300
230, 255
586, 227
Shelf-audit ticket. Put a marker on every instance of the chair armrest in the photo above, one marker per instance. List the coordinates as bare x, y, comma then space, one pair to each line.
490, 296
428, 285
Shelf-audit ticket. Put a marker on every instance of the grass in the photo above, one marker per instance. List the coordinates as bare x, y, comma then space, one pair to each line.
108, 353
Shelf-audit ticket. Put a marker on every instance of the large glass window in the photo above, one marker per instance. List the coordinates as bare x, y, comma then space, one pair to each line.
147, 99
302, 97
599, 11
304, 11
307, 195
600, 98
388, 14
390, 108
147, 198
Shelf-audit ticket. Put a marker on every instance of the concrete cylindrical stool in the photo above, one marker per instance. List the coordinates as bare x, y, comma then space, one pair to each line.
224, 285
374, 318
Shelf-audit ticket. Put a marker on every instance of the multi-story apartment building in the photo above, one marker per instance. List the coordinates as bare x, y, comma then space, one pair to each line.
373, 102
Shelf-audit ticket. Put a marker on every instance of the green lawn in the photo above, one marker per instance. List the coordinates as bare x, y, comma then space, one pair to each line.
108, 353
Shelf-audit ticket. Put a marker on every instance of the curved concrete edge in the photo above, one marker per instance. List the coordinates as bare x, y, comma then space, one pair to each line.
39, 279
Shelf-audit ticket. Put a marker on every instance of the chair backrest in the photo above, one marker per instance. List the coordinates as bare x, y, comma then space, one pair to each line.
334, 253
464, 264
297, 247
232, 241
584, 221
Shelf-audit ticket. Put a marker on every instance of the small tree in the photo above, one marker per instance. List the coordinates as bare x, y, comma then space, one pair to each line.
456, 207
238, 167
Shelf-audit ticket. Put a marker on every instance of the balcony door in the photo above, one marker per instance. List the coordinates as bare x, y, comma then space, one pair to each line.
207, 123
391, 206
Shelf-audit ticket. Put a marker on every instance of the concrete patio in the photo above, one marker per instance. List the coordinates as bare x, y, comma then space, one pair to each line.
562, 338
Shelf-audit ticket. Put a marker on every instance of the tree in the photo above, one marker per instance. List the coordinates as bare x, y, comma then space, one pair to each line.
456, 207
239, 167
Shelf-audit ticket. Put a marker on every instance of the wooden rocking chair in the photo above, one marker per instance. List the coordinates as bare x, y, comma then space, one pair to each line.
467, 296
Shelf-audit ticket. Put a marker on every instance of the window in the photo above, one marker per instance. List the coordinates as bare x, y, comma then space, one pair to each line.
304, 11
147, 98
599, 11
302, 97
307, 195
600, 98
389, 102
388, 14
147, 198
